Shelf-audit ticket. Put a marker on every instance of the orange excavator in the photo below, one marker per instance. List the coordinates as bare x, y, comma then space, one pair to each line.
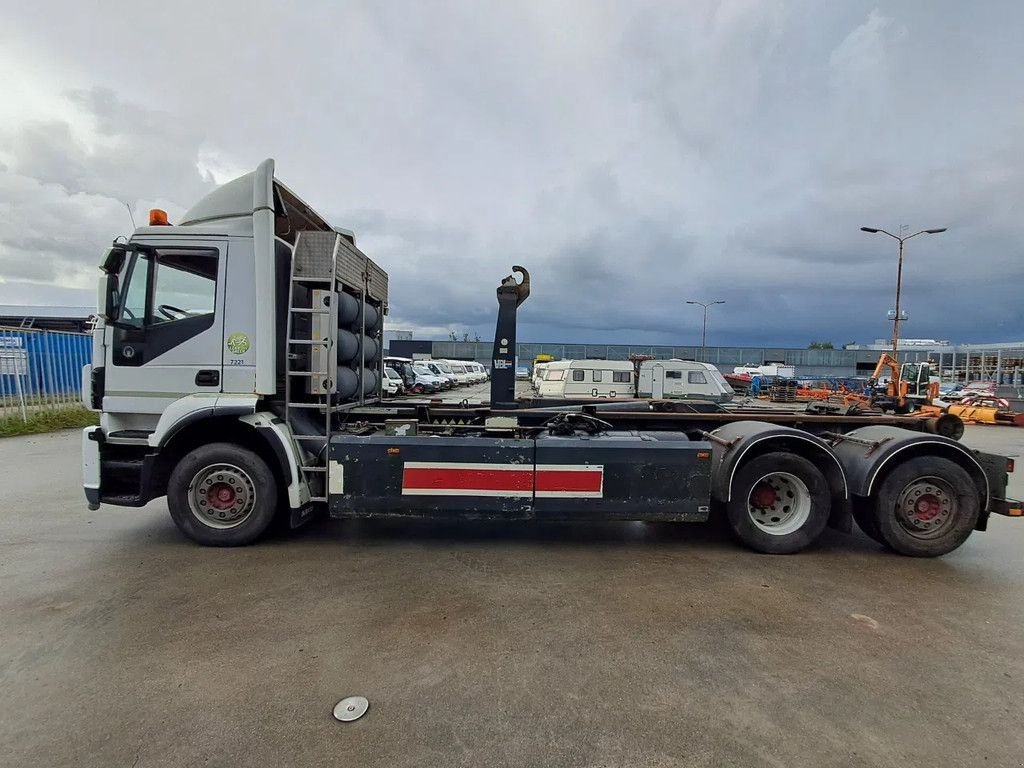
910, 385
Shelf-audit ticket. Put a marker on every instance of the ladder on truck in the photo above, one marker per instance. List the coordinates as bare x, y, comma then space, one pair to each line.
322, 264
308, 362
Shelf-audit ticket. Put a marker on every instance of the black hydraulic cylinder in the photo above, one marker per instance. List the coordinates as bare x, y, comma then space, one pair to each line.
503, 357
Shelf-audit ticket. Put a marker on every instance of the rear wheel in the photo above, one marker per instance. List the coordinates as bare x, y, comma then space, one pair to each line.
926, 507
222, 495
780, 503
864, 514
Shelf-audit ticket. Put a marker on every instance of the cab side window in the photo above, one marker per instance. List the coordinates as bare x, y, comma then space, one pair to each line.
165, 286
185, 285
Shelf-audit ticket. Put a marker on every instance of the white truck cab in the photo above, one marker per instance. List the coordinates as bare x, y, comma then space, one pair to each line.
215, 329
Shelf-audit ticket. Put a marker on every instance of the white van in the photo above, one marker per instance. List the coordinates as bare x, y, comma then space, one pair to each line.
460, 371
777, 370
682, 379
475, 370
584, 379
440, 368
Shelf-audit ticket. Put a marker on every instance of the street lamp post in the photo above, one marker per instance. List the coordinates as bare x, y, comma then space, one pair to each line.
899, 277
704, 333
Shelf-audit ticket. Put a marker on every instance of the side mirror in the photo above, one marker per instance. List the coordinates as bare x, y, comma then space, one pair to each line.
114, 260
112, 302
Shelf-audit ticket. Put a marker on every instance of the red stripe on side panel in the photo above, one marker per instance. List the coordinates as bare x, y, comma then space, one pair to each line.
419, 478
569, 481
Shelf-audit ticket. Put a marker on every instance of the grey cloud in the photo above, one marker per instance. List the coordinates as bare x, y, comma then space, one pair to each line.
631, 155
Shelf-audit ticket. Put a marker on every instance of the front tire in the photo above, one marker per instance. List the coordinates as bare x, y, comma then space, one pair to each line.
780, 503
926, 507
222, 495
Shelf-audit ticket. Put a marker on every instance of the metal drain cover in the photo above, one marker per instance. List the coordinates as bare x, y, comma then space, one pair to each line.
351, 708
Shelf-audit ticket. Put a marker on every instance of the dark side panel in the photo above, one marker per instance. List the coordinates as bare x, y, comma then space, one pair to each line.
642, 477
435, 476
628, 476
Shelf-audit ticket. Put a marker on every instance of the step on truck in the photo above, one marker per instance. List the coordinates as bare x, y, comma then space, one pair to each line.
237, 369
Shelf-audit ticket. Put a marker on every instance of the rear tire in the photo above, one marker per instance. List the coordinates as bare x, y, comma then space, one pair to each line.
926, 507
222, 495
780, 503
864, 514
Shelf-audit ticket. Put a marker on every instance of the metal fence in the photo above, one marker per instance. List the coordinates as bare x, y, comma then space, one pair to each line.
41, 369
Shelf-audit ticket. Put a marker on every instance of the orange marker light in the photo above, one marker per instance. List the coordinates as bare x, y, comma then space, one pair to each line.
1016, 512
158, 218
1010, 464
394, 451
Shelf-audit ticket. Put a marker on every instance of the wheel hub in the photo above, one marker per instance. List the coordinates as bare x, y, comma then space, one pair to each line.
927, 507
222, 496
763, 496
779, 503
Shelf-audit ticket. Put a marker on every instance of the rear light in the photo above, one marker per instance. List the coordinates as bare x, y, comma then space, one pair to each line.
1009, 465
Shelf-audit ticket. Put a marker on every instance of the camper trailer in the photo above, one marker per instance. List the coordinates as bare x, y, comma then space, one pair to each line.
583, 379
682, 379
538, 374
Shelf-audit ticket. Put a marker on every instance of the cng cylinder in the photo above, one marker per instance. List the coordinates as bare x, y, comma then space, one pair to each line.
348, 309
373, 318
369, 378
370, 350
348, 383
348, 346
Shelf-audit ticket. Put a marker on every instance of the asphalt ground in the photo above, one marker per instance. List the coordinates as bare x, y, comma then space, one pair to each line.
123, 644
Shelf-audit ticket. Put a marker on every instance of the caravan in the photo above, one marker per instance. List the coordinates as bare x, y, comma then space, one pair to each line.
682, 379
585, 379
538, 374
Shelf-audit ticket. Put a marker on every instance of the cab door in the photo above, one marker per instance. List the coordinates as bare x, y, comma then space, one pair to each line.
168, 338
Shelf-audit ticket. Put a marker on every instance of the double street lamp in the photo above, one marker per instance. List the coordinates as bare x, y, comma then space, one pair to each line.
704, 333
899, 276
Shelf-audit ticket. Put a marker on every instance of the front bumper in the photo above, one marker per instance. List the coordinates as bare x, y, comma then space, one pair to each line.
91, 466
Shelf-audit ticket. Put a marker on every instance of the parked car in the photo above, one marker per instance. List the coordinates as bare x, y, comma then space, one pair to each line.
427, 381
971, 390
392, 383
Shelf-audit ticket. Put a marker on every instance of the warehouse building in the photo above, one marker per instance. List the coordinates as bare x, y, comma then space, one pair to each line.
46, 318
1000, 362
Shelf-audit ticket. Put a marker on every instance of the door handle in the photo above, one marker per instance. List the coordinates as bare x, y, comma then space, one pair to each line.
208, 378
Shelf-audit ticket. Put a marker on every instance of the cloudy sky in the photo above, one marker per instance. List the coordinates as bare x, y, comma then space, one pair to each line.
632, 155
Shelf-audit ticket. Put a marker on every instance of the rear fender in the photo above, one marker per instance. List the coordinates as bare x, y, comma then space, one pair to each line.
868, 454
732, 444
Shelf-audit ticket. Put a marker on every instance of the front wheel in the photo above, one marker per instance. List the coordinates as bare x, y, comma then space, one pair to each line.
222, 495
926, 507
780, 503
